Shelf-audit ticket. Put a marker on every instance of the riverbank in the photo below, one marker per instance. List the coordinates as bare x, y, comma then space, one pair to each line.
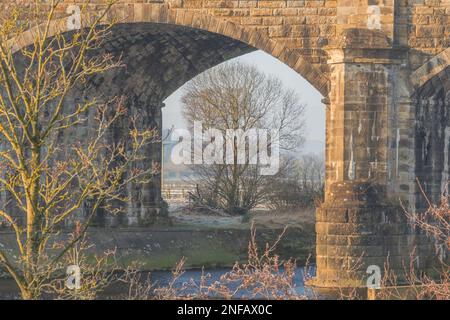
210, 242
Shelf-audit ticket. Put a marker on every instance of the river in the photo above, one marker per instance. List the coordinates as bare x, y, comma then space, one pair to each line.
163, 278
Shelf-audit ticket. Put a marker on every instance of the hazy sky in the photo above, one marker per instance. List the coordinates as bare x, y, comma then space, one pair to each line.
314, 113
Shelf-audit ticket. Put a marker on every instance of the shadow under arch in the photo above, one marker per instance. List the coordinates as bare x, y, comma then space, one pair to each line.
431, 96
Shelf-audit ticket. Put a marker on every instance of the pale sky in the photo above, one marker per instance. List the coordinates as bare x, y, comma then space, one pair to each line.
314, 113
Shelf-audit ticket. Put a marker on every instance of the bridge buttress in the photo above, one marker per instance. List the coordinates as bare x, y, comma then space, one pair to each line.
360, 222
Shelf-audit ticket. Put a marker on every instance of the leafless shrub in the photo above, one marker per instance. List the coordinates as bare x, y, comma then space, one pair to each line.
263, 276
97, 271
435, 222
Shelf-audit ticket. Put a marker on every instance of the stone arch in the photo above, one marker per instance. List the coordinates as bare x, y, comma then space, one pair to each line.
164, 14
437, 69
431, 96
157, 60
142, 22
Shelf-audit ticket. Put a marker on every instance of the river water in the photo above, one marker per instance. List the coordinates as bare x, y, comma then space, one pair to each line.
163, 278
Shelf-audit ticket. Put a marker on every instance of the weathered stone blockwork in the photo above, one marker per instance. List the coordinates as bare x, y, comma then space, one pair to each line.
357, 228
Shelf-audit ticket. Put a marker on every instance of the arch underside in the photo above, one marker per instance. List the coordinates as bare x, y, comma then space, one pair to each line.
432, 137
159, 58
314, 70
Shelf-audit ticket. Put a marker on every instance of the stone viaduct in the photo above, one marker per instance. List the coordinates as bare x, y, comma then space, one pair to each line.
382, 67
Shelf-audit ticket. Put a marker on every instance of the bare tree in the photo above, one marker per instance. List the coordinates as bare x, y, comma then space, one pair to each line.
235, 96
48, 183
